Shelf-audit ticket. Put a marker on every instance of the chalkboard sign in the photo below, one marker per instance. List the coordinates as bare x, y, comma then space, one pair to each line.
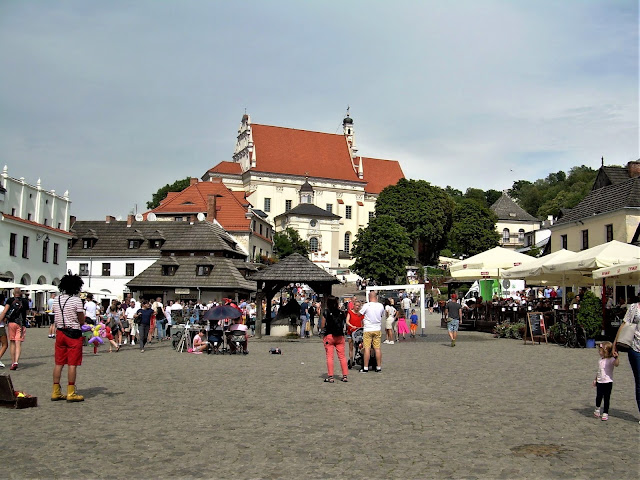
535, 326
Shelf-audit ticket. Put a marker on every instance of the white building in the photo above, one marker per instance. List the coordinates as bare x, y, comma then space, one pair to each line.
34, 232
271, 164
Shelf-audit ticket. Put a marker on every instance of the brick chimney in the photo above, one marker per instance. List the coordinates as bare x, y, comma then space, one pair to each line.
193, 181
633, 168
130, 219
212, 207
110, 219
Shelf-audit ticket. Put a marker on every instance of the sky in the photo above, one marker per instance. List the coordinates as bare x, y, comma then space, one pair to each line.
113, 100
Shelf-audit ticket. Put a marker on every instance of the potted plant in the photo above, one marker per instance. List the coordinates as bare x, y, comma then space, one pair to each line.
590, 317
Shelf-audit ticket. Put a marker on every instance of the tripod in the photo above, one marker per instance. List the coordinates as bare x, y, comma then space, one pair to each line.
185, 340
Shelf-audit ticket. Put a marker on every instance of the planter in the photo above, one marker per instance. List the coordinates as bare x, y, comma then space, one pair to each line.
591, 343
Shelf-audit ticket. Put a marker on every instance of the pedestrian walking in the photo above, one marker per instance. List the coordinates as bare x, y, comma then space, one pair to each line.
390, 314
452, 312
372, 311
69, 317
333, 321
143, 317
304, 318
632, 317
604, 378
414, 323
14, 316
4, 344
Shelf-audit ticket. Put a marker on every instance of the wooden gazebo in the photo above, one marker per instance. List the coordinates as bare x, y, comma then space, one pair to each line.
293, 269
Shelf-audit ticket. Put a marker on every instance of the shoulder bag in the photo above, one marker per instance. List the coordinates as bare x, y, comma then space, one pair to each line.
627, 331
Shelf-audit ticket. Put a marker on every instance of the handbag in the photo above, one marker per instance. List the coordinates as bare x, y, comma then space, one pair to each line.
625, 336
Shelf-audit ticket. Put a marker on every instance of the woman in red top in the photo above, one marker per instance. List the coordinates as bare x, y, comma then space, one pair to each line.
354, 322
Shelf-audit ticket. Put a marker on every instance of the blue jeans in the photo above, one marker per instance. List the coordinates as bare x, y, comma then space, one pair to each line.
634, 360
303, 325
160, 329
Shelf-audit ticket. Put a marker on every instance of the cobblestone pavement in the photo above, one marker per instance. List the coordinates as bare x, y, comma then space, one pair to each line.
488, 408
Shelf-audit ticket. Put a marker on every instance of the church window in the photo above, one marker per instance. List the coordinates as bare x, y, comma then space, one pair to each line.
371, 216
347, 212
505, 235
347, 242
313, 244
287, 205
267, 204
330, 207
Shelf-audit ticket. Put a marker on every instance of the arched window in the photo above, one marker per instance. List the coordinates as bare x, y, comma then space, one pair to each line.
313, 244
505, 235
347, 242
521, 235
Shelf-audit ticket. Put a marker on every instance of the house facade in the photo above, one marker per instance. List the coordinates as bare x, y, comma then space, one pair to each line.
514, 223
271, 164
611, 211
173, 260
34, 231
216, 203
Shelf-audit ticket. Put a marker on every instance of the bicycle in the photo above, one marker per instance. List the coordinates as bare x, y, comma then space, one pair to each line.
568, 333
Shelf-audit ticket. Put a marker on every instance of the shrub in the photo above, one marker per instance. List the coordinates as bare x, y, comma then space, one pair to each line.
590, 314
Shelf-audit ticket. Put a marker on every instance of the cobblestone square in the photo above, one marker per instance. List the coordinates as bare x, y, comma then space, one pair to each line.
488, 408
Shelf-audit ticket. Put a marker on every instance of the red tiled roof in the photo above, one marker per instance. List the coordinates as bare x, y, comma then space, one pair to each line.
35, 224
301, 152
227, 167
380, 173
231, 208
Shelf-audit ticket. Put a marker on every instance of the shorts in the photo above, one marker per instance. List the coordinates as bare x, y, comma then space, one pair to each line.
68, 351
389, 323
16, 332
371, 337
3, 331
453, 324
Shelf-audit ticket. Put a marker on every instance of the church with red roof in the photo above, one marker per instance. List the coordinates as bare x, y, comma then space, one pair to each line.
314, 182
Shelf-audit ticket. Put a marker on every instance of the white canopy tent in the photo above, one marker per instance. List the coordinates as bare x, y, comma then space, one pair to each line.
488, 264
45, 287
605, 255
9, 285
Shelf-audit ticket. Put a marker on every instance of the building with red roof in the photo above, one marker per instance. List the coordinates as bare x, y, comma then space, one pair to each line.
216, 203
271, 165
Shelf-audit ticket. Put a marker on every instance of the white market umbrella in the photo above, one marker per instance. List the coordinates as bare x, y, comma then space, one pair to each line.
605, 255
8, 285
534, 269
624, 273
488, 264
45, 287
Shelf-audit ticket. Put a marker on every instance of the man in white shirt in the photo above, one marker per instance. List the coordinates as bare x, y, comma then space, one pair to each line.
372, 311
406, 306
90, 309
132, 330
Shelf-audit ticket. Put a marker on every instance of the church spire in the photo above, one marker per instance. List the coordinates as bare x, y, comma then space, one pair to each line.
349, 133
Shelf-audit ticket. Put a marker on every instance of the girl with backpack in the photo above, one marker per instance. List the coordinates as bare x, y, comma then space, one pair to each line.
332, 324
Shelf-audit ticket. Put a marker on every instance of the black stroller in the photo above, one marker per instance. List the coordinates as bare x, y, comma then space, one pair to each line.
358, 351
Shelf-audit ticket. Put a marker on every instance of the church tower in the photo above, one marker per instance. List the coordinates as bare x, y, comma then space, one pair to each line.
306, 192
349, 133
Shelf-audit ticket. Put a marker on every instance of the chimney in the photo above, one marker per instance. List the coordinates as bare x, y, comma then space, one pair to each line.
193, 181
72, 220
110, 219
130, 219
633, 168
212, 207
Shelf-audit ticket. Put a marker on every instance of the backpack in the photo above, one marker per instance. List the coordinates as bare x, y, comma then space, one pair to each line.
14, 314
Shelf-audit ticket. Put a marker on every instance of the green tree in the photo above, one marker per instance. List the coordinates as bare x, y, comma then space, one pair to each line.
492, 196
423, 210
477, 195
473, 230
287, 242
382, 250
161, 194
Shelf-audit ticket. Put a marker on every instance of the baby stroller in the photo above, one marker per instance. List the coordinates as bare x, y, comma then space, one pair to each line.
358, 351
216, 344
237, 341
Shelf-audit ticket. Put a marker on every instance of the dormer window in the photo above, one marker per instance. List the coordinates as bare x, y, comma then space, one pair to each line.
134, 244
169, 270
155, 243
203, 270
88, 243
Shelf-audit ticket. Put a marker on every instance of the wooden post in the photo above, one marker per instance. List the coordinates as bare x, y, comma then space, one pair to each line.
259, 299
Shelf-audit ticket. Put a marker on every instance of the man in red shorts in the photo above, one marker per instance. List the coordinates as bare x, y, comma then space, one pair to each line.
69, 318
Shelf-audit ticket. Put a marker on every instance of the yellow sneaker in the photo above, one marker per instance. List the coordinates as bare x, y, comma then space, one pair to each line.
57, 393
72, 396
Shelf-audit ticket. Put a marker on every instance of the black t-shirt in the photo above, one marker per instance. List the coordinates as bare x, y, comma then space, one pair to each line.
22, 309
334, 322
304, 307
145, 316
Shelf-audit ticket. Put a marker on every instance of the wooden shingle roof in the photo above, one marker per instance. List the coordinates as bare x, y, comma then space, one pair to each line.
294, 268
508, 210
224, 275
111, 239
606, 199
